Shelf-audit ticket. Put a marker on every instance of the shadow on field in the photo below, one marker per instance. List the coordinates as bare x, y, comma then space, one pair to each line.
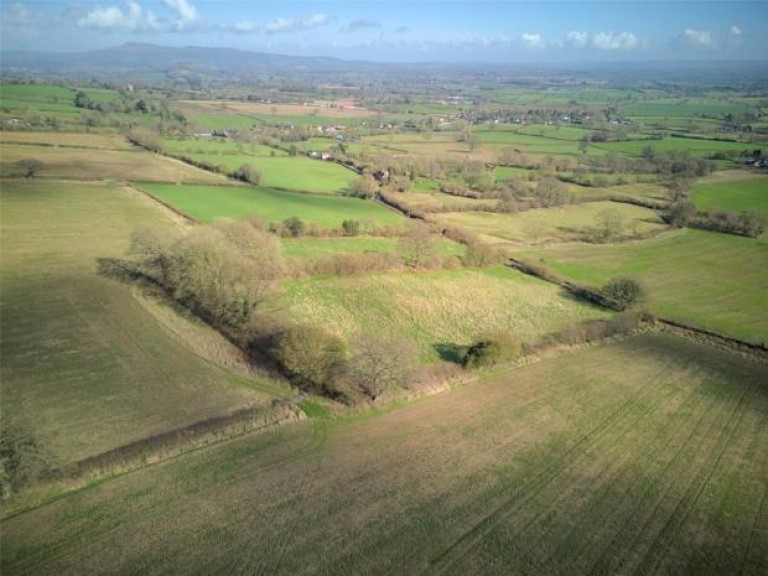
450, 352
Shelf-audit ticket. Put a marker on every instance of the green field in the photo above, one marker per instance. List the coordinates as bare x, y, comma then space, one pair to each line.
218, 146
648, 456
68, 140
209, 203
696, 146
87, 164
289, 173
710, 280
89, 364
749, 194
685, 108
437, 310
568, 223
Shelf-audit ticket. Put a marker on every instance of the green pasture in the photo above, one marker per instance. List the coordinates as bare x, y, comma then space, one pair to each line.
440, 311
218, 146
684, 108
567, 223
290, 173
88, 363
749, 194
209, 203
710, 280
647, 456
695, 146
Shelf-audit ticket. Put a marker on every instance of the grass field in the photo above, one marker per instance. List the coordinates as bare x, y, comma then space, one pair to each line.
309, 247
642, 457
86, 164
440, 202
697, 147
68, 140
208, 203
711, 280
218, 146
733, 195
439, 310
290, 173
88, 365
563, 224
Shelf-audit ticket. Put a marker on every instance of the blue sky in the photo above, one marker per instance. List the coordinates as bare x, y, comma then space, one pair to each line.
410, 31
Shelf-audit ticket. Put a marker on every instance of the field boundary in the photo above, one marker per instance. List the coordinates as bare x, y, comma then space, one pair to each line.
165, 204
161, 447
758, 350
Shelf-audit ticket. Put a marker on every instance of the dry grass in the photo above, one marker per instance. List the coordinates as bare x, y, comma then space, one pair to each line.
324, 108
84, 164
440, 310
648, 456
563, 224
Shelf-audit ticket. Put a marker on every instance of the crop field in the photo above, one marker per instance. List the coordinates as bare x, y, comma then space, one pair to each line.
289, 173
561, 224
527, 143
68, 140
84, 164
88, 365
321, 109
734, 195
439, 310
714, 281
647, 456
437, 145
209, 203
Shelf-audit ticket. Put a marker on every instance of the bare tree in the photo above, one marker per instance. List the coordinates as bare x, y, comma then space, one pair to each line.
380, 362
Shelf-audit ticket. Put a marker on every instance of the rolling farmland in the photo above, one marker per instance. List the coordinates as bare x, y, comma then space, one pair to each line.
645, 456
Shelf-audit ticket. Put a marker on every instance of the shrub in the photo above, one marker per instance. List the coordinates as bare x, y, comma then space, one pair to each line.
294, 226
492, 349
311, 357
248, 173
624, 292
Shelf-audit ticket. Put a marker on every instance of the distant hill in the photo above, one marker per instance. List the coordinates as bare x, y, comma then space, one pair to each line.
136, 60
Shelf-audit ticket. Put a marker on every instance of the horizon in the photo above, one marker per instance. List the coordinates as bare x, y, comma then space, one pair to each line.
452, 31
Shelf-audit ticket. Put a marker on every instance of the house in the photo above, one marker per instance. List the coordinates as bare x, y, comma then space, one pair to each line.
327, 156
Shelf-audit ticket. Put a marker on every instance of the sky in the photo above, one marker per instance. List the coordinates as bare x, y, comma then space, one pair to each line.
501, 31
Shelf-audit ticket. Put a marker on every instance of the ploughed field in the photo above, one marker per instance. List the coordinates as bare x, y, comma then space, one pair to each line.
647, 456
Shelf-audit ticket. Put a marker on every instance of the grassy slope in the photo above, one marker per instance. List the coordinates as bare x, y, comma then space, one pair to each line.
68, 139
712, 280
644, 457
308, 247
207, 203
85, 364
437, 310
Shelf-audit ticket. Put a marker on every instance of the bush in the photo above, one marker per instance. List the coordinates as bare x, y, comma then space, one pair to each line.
493, 349
248, 173
624, 292
294, 226
311, 357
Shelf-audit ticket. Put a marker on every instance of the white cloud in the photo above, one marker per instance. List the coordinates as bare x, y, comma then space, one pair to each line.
735, 31
532, 40
17, 15
133, 19
615, 41
187, 15
245, 27
696, 37
285, 25
361, 23
577, 39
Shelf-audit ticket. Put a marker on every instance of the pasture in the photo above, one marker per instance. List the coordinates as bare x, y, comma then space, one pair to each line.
209, 203
88, 164
88, 363
572, 222
749, 192
289, 173
301, 248
696, 146
647, 456
714, 281
440, 311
